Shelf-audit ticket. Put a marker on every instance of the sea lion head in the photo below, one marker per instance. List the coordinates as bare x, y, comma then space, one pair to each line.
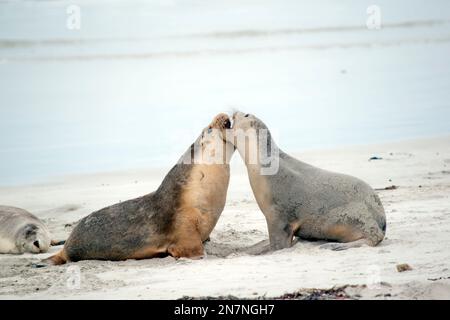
245, 121
214, 146
255, 144
32, 238
245, 124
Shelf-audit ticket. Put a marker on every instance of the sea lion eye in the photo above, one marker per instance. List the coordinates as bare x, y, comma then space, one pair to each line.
209, 130
30, 230
246, 116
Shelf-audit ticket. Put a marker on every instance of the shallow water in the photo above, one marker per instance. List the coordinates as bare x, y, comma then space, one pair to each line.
137, 83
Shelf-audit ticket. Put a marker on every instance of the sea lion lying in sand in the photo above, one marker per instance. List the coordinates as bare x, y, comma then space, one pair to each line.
298, 199
173, 220
21, 232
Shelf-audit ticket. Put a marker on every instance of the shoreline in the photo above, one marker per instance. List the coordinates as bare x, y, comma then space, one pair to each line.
59, 179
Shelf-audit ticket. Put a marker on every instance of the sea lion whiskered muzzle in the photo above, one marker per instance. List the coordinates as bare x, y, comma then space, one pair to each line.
221, 121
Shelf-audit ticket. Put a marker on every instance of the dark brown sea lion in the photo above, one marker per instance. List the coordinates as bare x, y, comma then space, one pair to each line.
173, 220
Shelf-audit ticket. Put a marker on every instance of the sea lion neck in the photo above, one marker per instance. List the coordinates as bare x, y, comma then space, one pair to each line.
257, 148
200, 154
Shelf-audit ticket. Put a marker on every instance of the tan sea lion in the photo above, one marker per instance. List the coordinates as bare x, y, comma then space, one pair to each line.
173, 220
21, 232
301, 200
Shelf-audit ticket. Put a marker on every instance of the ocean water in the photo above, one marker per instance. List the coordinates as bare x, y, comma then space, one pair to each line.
134, 86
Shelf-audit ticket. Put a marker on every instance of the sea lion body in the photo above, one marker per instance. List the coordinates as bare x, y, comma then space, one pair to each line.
22, 232
173, 220
308, 202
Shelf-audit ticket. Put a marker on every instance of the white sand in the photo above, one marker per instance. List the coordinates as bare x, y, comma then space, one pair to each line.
418, 233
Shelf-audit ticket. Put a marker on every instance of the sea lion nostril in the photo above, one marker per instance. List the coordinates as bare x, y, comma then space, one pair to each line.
36, 244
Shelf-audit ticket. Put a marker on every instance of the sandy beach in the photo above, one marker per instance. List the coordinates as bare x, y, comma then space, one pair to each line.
97, 112
418, 234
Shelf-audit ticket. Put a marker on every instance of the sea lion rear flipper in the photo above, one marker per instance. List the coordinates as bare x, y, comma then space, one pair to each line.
57, 259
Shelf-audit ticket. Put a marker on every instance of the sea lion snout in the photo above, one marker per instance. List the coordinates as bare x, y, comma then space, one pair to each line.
221, 121
238, 115
245, 121
228, 124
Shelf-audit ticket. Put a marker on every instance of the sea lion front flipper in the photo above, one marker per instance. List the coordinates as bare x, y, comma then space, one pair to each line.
258, 248
281, 235
186, 237
338, 246
55, 243
187, 250
189, 245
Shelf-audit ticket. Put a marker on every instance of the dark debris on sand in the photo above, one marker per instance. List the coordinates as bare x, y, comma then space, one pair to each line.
392, 187
335, 293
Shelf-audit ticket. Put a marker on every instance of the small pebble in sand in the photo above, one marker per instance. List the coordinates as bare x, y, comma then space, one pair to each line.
375, 158
403, 267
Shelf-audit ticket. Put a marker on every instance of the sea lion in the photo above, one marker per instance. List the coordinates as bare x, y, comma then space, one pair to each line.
21, 232
173, 220
301, 200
